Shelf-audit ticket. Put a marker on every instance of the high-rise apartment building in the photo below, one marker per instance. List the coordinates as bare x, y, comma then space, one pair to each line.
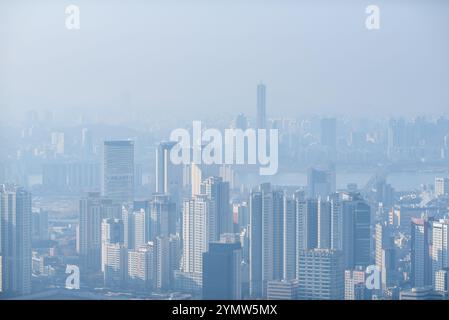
15, 240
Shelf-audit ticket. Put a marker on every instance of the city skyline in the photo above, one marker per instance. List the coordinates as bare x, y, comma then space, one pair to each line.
162, 151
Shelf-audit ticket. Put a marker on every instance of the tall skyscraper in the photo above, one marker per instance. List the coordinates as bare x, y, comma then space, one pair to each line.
289, 232
385, 257
89, 231
197, 215
306, 223
321, 274
221, 271
356, 219
261, 121
324, 224
440, 246
163, 216
420, 259
15, 240
266, 238
278, 235
218, 192
118, 171
255, 238
167, 260
168, 175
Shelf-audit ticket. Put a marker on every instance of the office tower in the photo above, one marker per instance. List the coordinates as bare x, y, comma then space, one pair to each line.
442, 281
112, 231
141, 268
115, 265
168, 175
329, 132
15, 240
87, 142
306, 223
420, 272
218, 192
356, 231
90, 216
221, 271
57, 142
197, 216
320, 183
261, 121
440, 246
163, 216
118, 170
289, 232
255, 238
355, 285
283, 289
321, 274
441, 186
39, 226
324, 224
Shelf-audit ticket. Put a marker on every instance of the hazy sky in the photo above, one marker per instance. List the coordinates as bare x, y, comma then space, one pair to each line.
196, 58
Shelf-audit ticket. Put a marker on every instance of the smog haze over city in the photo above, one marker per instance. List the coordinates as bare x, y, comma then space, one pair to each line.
224, 150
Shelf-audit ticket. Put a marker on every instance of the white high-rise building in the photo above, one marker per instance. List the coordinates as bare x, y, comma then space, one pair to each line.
15, 240
420, 262
115, 265
197, 219
141, 267
440, 246
89, 231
